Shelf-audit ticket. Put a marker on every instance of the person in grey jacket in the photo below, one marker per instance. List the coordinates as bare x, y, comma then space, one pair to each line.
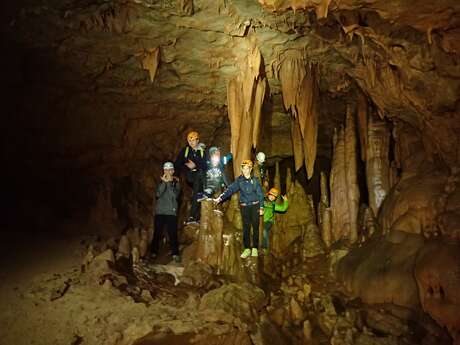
167, 195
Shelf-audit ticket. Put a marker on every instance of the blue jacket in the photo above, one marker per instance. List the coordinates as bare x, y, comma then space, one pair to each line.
250, 191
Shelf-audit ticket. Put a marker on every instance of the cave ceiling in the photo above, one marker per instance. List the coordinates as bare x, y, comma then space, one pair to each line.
82, 57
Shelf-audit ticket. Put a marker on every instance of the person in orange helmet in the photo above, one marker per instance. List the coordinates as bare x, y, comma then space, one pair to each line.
193, 158
270, 207
251, 206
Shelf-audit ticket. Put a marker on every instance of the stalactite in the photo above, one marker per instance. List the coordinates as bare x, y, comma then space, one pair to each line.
277, 179
257, 110
150, 61
378, 164
245, 96
300, 93
362, 123
288, 179
291, 74
235, 113
351, 174
297, 144
308, 117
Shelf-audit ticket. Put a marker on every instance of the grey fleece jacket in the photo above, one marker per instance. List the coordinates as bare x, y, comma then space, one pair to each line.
167, 195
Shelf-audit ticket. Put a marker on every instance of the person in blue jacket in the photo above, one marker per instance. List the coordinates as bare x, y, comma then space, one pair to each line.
251, 206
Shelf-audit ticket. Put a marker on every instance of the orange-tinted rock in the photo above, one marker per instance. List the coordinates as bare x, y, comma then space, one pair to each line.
437, 272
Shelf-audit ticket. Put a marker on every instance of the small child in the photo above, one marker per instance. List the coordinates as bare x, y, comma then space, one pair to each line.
167, 195
270, 207
215, 178
251, 206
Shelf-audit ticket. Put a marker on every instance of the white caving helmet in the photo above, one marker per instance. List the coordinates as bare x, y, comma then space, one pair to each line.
260, 157
168, 165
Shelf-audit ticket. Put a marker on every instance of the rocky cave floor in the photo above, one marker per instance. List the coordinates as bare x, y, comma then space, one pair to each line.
72, 291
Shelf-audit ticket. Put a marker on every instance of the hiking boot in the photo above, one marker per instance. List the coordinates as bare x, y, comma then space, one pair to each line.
246, 253
191, 220
255, 252
200, 197
176, 258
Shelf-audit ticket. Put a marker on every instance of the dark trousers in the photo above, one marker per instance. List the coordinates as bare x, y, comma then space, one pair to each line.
196, 179
267, 227
250, 215
170, 222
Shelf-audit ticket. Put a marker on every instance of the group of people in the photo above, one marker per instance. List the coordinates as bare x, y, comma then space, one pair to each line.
205, 172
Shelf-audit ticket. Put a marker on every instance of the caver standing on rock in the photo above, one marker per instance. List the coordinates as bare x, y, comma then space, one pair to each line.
215, 178
167, 195
251, 206
193, 157
270, 207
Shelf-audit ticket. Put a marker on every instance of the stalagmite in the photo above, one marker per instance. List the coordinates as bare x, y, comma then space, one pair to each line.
344, 183
150, 61
185, 7
362, 124
210, 240
124, 247
337, 182
326, 228
378, 164
144, 243
351, 174
324, 212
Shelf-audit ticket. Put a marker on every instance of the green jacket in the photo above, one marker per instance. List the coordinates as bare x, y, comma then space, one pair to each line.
270, 207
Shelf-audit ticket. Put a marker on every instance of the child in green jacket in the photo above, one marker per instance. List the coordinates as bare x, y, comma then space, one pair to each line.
271, 207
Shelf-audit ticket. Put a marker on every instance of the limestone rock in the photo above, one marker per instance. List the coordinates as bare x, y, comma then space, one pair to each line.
238, 304
296, 312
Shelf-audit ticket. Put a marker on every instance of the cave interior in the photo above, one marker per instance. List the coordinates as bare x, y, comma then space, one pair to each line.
356, 105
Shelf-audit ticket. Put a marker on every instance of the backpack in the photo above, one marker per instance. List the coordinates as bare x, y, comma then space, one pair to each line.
187, 150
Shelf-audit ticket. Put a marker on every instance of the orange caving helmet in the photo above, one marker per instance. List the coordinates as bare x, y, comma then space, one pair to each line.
193, 135
274, 191
247, 162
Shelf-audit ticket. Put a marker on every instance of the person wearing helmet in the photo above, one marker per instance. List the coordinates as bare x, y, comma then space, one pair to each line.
193, 158
260, 170
167, 196
270, 207
251, 206
215, 178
